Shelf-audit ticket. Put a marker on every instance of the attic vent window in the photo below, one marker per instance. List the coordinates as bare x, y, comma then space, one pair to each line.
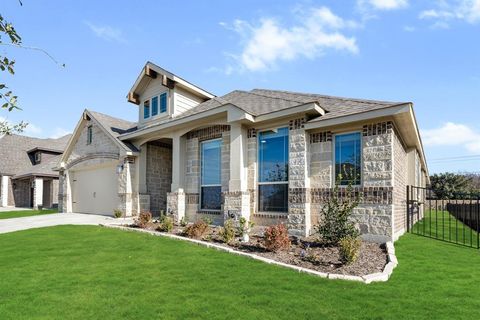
38, 157
89, 134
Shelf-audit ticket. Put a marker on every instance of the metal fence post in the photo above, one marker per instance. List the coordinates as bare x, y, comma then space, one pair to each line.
408, 209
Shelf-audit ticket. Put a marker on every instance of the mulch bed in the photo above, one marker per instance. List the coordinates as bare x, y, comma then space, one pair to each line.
305, 252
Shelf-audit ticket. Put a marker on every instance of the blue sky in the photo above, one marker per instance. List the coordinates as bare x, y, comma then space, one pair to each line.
427, 52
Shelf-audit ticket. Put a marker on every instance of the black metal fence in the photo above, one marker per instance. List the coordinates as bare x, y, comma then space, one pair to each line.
455, 218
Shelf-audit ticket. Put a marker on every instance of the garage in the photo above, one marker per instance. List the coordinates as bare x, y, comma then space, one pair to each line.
94, 190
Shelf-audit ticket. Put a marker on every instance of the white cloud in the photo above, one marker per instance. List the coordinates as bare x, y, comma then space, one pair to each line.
268, 42
383, 4
446, 11
408, 28
32, 130
453, 134
106, 32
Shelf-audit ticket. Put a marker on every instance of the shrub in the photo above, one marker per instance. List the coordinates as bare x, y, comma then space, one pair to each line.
196, 230
227, 233
336, 212
245, 226
276, 238
117, 213
166, 224
350, 249
144, 218
183, 222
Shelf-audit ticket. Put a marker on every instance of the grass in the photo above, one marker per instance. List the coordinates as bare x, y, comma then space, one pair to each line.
82, 272
442, 225
25, 213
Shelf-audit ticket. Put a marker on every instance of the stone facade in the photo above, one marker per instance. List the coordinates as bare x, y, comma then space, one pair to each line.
159, 175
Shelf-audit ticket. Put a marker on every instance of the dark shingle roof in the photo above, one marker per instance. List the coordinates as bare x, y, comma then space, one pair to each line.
14, 149
261, 101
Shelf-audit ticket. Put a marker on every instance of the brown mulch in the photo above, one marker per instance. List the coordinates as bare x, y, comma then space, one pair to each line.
307, 253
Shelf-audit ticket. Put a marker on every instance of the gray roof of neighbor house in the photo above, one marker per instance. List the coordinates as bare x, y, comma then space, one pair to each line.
116, 127
14, 158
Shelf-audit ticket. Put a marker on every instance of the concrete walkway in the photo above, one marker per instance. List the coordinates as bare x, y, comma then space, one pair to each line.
8, 209
55, 219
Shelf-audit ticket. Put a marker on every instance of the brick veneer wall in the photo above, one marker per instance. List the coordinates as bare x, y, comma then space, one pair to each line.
159, 175
400, 183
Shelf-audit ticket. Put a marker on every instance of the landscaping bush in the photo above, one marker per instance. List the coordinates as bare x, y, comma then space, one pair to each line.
197, 230
227, 233
117, 213
244, 228
144, 218
350, 249
183, 222
166, 224
336, 211
276, 238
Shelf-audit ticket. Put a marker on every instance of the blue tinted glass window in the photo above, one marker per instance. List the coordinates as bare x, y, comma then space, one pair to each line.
154, 106
211, 164
163, 102
273, 155
146, 109
348, 158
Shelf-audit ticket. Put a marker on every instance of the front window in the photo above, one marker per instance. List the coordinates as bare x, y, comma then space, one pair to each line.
348, 158
211, 185
146, 109
273, 170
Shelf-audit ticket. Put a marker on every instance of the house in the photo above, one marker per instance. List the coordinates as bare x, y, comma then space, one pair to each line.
267, 155
26, 171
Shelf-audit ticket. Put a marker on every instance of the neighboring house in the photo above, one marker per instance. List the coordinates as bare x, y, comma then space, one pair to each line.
26, 171
270, 156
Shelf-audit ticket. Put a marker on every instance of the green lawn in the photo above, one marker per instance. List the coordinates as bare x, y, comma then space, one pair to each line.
442, 225
25, 213
86, 272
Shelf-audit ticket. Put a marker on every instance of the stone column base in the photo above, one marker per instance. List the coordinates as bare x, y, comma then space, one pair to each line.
299, 219
176, 205
236, 205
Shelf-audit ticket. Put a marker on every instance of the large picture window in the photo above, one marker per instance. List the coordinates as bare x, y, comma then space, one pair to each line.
273, 170
211, 185
348, 158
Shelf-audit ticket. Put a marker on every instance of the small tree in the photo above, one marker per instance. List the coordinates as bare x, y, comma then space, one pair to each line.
336, 211
447, 185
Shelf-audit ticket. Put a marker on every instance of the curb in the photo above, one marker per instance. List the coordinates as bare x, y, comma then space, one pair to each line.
367, 279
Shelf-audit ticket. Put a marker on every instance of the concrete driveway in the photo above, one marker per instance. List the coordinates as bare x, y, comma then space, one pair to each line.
55, 219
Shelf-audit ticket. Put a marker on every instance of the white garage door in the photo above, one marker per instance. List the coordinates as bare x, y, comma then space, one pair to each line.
95, 190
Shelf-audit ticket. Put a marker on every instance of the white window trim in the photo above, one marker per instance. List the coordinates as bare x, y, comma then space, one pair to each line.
160, 114
38, 157
334, 165
201, 173
259, 183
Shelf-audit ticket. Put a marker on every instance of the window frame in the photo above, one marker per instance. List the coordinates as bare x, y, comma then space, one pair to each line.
154, 112
38, 157
260, 183
201, 175
145, 108
89, 134
334, 152
160, 102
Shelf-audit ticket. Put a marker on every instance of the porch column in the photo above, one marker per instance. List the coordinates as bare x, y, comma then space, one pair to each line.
176, 198
4, 188
237, 198
38, 193
299, 220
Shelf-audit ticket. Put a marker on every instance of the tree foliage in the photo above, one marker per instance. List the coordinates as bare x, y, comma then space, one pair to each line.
449, 185
7, 97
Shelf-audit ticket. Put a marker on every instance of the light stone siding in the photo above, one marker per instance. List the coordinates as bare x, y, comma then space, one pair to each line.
400, 185
252, 169
159, 176
377, 160
298, 181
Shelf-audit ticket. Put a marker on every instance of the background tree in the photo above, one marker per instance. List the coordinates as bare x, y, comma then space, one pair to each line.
447, 185
7, 98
